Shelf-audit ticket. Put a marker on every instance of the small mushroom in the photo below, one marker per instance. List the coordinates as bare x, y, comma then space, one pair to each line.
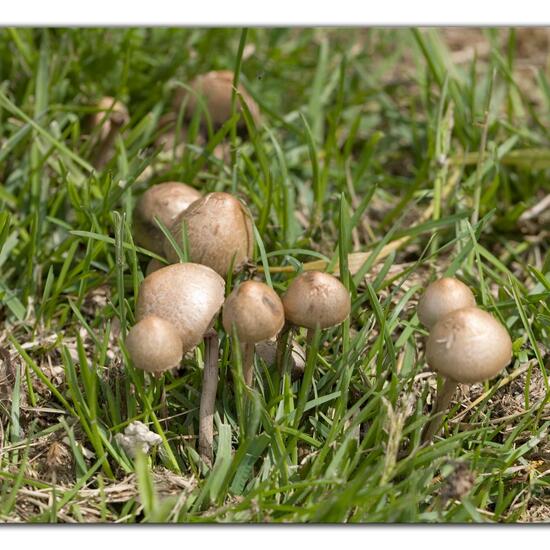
219, 233
466, 346
254, 312
213, 91
315, 299
441, 298
165, 201
190, 296
110, 117
154, 345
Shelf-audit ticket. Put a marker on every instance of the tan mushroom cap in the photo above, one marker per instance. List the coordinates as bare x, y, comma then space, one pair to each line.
255, 310
165, 201
441, 298
188, 295
315, 298
218, 229
215, 88
469, 345
110, 112
154, 345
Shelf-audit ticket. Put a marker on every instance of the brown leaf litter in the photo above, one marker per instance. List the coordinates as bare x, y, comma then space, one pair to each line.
90, 503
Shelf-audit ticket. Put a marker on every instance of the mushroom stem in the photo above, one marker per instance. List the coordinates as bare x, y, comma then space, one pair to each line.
106, 146
282, 344
161, 379
441, 404
208, 397
248, 363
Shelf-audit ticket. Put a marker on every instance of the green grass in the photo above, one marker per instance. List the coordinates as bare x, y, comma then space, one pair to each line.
378, 157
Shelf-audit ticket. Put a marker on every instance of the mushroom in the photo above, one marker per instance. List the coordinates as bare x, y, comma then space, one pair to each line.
111, 115
254, 312
441, 298
190, 296
165, 201
219, 233
154, 345
466, 346
213, 91
315, 299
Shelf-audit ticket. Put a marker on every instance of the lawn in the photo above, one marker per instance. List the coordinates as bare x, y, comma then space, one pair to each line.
388, 157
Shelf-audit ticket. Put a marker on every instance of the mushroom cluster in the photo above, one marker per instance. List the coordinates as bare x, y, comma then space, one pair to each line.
178, 304
176, 309
209, 96
466, 345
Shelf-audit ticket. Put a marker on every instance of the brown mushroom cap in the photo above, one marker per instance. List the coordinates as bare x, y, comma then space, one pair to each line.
165, 201
154, 345
188, 295
469, 345
441, 298
315, 298
111, 112
218, 229
215, 88
255, 310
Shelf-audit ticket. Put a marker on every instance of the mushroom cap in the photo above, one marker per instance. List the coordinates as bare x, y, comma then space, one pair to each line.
218, 228
469, 345
110, 111
215, 88
441, 298
315, 298
188, 295
165, 201
154, 345
255, 310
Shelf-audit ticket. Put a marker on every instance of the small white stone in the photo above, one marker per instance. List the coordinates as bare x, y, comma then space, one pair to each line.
137, 436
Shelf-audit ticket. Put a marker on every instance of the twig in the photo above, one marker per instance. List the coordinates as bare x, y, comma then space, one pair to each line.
534, 211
